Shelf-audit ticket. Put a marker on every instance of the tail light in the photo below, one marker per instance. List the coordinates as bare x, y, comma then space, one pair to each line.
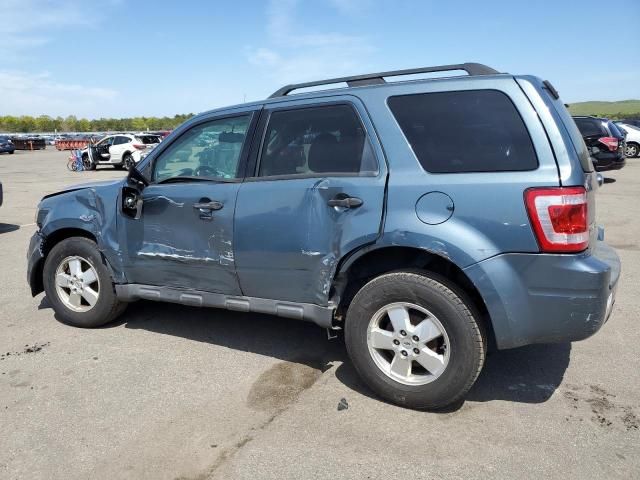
610, 142
139, 146
559, 217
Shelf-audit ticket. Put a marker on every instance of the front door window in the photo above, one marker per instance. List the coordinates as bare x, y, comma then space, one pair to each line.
210, 150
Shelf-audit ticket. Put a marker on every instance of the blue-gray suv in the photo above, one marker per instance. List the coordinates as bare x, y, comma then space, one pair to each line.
426, 218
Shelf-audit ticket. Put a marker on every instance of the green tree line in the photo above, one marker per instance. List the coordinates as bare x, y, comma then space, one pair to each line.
616, 116
44, 123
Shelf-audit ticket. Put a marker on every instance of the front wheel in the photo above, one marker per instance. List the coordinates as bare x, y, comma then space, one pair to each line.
87, 164
78, 284
415, 339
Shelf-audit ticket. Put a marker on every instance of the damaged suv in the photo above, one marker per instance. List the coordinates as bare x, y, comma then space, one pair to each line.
426, 218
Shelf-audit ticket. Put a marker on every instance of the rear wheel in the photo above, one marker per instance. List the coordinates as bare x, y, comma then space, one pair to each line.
632, 150
78, 284
415, 339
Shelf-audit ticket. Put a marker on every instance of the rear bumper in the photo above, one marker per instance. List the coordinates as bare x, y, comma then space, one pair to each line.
546, 298
607, 164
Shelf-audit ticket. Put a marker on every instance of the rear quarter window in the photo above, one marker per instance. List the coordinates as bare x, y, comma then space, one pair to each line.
465, 131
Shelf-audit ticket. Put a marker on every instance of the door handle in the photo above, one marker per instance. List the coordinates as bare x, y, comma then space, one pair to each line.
208, 205
343, 200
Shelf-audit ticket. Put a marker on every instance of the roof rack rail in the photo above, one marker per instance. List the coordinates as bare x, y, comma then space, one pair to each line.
472, 69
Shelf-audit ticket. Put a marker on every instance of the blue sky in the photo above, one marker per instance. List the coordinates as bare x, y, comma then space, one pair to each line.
129, 58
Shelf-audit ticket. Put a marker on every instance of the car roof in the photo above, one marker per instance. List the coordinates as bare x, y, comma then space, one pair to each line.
345, 91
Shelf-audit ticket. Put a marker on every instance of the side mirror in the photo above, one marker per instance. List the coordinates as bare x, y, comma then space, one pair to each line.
131, 198
600, 179
137, 179
131, 202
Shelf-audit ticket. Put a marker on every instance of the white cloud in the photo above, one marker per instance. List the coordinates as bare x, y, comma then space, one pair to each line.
39, 94
27, 24
295, 52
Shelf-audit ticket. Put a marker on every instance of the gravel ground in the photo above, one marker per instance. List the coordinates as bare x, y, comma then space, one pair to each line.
176, 392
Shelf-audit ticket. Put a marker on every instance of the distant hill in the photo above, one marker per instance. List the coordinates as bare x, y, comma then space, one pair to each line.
620, 109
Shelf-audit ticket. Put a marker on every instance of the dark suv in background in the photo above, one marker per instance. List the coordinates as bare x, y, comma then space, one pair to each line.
605, 142
6, 145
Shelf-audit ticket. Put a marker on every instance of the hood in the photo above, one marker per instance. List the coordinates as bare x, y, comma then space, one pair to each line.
81, 186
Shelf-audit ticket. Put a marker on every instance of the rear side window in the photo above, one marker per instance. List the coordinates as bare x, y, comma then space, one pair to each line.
316, 141
590, 127
466, 131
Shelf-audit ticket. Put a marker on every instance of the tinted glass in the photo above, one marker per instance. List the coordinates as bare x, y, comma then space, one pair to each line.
209, 150
316, 140
467, 131
121, 140
590, 127
615, 131
148, 139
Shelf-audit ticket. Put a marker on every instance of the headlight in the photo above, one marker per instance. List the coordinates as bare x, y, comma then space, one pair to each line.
41, 213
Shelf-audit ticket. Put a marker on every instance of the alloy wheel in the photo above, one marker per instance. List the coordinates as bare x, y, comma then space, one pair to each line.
408, 343
77, 284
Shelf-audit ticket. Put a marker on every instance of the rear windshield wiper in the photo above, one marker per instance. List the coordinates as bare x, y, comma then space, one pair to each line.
187, 178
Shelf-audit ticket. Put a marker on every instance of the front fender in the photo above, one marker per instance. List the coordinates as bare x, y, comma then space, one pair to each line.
93, 210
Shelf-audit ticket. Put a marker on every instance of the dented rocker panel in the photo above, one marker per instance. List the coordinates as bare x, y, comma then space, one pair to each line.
322, 316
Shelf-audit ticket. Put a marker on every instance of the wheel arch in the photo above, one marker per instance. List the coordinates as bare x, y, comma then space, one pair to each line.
50, 241
364, 265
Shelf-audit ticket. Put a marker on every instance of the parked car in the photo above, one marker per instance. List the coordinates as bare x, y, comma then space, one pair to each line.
421, 251
6, 145
632, 121
632, 139
604, 140
149, 138
122, 151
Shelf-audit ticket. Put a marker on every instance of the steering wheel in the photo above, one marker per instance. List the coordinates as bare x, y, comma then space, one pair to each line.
206, 171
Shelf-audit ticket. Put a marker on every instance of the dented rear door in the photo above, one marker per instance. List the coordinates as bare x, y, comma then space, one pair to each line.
294, 220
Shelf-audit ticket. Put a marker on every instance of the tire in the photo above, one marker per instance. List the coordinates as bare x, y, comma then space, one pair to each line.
87, 164
454, 359
128, 161
12, 152
106, 307
632, 150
